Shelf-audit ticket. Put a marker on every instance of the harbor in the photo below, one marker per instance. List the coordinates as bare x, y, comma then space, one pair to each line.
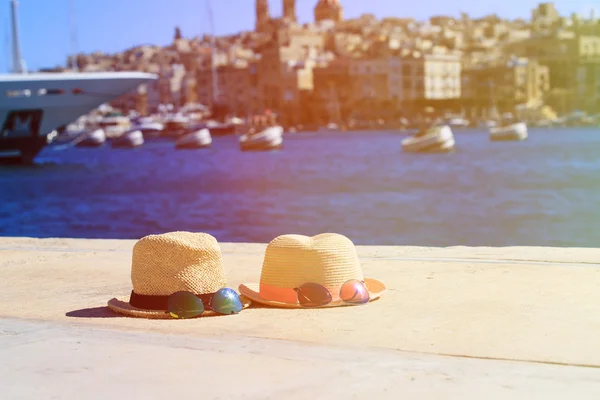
456, 322
541, 191
323, 199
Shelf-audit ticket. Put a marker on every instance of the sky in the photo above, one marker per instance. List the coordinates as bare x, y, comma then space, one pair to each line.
114, 25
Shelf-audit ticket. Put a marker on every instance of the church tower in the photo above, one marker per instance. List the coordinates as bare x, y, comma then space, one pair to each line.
289, 10
262, 15
329, 9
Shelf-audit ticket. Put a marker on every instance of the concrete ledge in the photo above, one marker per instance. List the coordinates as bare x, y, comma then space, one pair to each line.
532, 305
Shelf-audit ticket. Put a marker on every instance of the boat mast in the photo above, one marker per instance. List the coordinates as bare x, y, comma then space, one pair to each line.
73, 34
494, 109
215, 84
18, 63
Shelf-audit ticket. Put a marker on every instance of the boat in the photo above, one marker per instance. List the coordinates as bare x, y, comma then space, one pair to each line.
95, 138
197, 139
507, 128
175, 125
457, 122
114, 124
330, 127
221, 128
150, 130
270, 138
509, 131
435, 139
129, 140
33, 106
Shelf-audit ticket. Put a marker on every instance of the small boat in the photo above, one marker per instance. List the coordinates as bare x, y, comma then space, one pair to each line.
221, 129
129, 139
95, 138
198, 139
149, 129
436, 139
270, 138
457, 122
114, 124
175, 126
509, 131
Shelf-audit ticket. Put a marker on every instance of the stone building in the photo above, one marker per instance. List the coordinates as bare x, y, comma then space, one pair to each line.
289, 10
285, 68
329, 10
263, 17
506, 84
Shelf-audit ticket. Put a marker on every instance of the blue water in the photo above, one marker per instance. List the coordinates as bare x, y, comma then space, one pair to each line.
544, 191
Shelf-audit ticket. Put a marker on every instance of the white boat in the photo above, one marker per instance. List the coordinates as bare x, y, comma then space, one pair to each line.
95, 138
114, 125
175, 125
507, 128
269, 139
457, 122
129, 140
34, 105
195, 140
330, 127
149, 129
513, 131
487, 124
435, 139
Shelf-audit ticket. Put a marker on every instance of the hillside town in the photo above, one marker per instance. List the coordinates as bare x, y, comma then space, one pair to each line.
336, 70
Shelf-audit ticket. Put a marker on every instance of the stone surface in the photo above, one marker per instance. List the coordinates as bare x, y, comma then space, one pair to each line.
456, 321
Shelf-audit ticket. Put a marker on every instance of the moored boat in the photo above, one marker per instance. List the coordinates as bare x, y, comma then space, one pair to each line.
197, 139
95, 138
270, 138
130, 139
509, 132
431, 140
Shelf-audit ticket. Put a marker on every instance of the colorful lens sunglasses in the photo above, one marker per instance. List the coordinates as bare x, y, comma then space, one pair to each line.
184, 304
311, 294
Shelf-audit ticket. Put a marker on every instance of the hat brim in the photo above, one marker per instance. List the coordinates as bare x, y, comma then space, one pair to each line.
251, 290
122, 306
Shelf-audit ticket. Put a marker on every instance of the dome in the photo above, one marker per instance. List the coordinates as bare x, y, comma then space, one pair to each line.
329, 3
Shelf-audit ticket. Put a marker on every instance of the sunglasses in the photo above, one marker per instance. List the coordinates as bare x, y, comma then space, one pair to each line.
315, 295
184, 304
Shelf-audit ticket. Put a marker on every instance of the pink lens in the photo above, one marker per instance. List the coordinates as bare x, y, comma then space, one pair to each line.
354, 292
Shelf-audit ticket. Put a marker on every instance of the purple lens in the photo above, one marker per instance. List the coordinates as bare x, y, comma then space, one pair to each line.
354, 292
313, 295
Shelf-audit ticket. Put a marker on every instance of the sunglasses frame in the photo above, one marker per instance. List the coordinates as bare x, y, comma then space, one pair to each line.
297, 290
206, 301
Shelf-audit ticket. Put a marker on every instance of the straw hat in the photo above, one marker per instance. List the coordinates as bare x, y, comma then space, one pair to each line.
328, 259
171, 262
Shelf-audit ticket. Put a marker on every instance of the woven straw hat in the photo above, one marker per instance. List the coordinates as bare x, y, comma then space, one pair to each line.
171, 262
328, 259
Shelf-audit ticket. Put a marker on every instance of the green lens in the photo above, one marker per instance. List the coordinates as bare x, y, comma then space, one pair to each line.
185, 305
226, 301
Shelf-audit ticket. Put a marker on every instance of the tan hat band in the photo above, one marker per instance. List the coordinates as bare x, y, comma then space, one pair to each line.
148, 302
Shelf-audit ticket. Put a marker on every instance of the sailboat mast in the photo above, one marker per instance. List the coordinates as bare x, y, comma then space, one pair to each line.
494, 109
18, 63
215, 84
73, 34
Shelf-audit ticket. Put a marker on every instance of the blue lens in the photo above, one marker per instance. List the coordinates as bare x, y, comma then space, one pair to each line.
185, 305
226, 301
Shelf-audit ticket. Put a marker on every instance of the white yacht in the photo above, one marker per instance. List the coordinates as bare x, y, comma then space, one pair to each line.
34, 105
